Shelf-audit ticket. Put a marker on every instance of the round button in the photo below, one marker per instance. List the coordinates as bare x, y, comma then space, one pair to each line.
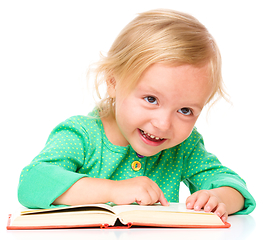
136, 165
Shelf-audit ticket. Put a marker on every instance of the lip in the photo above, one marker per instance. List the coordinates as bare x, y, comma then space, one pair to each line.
149, 142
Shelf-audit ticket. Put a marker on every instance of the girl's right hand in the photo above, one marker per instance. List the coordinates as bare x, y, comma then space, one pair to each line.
141, 190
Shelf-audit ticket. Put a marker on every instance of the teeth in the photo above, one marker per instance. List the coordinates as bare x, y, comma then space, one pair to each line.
150, 135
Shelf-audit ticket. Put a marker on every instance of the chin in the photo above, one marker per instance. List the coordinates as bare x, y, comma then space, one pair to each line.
148, 153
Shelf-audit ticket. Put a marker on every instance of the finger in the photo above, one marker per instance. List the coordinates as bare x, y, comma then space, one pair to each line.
144, 199
143, 196
211, 205
160, 195
150, 195
191, 200
202, 198
163, 200
224, 218
221, 211
157, 195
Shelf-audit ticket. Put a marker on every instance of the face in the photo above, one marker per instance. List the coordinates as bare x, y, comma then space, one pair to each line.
161, 111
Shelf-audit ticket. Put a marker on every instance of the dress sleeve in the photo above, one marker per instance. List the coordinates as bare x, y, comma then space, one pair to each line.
54, 170
202, 170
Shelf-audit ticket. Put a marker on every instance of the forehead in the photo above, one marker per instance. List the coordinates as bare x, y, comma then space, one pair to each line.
186, 82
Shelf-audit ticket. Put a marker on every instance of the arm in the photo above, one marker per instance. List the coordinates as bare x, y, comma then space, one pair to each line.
94, 190
56, 167
213, 182
222, 201
58, 175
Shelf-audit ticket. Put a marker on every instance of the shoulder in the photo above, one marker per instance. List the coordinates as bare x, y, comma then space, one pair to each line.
79, 128
79, 122
82, 126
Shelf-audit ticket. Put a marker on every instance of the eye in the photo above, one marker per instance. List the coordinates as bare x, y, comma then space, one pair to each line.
185, 111
151, 100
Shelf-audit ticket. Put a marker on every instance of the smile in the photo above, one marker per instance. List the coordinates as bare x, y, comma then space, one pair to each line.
151, 139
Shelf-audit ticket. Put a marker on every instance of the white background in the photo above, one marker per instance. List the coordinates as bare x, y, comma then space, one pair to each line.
46, 47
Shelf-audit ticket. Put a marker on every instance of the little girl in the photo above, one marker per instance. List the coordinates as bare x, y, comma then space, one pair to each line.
140, 142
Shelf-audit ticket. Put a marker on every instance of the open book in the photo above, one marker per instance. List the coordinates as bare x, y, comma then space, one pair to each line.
118, 216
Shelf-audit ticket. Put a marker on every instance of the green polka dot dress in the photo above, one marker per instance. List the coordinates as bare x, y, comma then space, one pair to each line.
78, 148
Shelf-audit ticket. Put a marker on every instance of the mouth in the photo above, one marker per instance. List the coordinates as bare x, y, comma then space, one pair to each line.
151, 139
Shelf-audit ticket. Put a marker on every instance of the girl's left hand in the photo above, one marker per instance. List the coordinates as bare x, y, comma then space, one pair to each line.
209, 201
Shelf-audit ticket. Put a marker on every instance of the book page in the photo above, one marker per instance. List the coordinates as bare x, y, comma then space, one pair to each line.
87, 207
157, 215
174, 207
116, 209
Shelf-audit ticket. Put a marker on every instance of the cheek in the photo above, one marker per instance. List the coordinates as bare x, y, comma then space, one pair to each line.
127, 114
129, 108
184, 131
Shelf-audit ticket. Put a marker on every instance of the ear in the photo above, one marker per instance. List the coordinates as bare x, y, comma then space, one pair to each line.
111, 87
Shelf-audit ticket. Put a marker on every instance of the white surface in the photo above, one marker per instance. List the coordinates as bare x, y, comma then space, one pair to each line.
46, 47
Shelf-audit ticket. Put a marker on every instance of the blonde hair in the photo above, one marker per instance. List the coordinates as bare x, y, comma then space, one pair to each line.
157, 36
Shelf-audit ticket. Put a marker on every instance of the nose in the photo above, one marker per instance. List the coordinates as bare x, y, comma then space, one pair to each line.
162, 120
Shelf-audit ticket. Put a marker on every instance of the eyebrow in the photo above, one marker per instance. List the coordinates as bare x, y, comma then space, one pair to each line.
155, 91
150, 88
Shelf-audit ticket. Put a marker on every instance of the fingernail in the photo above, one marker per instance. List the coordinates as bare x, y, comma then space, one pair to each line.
197, 208
207, 209
188, 205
